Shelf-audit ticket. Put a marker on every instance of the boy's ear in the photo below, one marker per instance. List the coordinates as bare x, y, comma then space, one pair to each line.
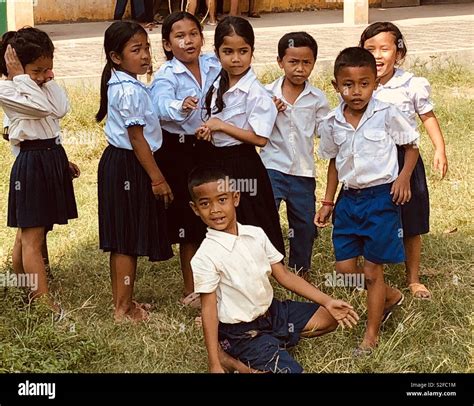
236, 198
280, 62
194, 207
116, 59
334, 84
166, 45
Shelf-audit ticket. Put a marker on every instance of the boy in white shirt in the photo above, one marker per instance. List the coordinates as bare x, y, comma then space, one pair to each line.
231, 272
360, 137
289, 153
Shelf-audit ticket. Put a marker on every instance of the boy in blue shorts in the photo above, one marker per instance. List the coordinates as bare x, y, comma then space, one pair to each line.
231, 271
289, 153
360, 137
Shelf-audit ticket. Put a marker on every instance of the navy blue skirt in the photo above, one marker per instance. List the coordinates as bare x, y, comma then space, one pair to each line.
415, 213
257, 206
131, 220
41, 192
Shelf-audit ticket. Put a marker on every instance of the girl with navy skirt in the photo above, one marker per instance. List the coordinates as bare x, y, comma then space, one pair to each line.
413, 96
241, 115
41, 192
133, 193
178, 92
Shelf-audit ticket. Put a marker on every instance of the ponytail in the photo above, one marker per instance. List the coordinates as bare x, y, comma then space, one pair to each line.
104, 99
223, 87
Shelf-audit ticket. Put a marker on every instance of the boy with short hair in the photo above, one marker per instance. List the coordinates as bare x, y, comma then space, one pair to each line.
289, 153
231, 272
359, 137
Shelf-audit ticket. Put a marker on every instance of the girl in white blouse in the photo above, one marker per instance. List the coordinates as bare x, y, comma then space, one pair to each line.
41, 192
133, 193
412, 95
241, 115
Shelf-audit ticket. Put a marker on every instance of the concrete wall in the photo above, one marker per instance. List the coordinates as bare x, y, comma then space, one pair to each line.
98, 10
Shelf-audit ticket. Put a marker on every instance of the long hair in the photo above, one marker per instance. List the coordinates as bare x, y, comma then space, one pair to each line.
227, 27
115, 39
376, 28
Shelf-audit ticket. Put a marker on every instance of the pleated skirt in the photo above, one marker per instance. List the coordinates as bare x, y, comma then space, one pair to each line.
131, 220
41, 192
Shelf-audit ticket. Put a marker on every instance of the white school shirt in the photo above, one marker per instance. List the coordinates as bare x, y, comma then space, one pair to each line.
237, 268
411, 94
130, 104
290, 148
33, 112
173, 83
366, 156
247, 106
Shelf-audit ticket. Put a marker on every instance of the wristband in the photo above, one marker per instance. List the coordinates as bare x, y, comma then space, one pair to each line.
153, 184
327, 203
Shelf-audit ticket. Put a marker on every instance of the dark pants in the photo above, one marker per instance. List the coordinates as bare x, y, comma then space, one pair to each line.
142, 10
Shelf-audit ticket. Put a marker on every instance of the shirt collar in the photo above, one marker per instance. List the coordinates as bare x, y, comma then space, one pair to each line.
227, 240
244, 83
399, 78
206, 63
119, 77
373, 106
308, 88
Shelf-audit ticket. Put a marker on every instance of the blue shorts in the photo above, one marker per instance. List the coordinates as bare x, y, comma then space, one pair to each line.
262, 343
368, 223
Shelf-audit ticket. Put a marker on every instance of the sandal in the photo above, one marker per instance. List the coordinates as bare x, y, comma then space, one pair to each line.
416, 288
192, 300
361, 352
389, 310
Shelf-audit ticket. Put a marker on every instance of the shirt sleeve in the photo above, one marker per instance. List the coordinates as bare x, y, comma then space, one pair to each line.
328, 149
274, 256
322, 110
399, 128
205, 274
165, 99
421, 95
261, 112
25, 98
57, 98
131, 106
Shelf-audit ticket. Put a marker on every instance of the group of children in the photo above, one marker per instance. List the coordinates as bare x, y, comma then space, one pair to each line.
177, 149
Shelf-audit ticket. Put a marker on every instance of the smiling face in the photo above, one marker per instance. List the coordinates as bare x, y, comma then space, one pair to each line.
185, 41
356, 85
215, 204
40, 70
298, 63
235, 56
135, 58
384, 49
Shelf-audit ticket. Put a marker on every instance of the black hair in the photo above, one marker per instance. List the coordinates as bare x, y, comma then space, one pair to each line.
376, 28
354, 57
29, 44
204, 174
297, 40
167, 27
229, 26
115, 39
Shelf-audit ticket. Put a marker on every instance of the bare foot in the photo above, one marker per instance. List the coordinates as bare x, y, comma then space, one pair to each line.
135, 314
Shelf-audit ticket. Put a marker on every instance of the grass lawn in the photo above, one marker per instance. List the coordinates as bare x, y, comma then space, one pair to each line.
422, 336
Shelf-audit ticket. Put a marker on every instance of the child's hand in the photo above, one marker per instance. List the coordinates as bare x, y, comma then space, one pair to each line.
162, 191
74, 170
279, 103
343, 313
401, 190
440, 162
214, 124
203, 133
189, 104
322, 216
14, 66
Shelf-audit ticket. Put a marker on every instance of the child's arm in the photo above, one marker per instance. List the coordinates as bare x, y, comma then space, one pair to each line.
57, 97
144, 155
401, 187
322, 216
343, 312
210, 324
440, 161
217, 125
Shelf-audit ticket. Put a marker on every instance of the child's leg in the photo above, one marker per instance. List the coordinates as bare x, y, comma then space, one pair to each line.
122, 273
412, 246
373, 274
186, 253
321, 323
17, 260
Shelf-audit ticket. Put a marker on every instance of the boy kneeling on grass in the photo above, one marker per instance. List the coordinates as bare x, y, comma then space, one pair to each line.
231, 272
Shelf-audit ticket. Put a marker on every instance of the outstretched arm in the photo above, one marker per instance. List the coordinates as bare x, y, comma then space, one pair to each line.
215, 124
340, 310
210, 324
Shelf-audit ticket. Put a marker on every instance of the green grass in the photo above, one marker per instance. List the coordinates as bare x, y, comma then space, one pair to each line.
423, 336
